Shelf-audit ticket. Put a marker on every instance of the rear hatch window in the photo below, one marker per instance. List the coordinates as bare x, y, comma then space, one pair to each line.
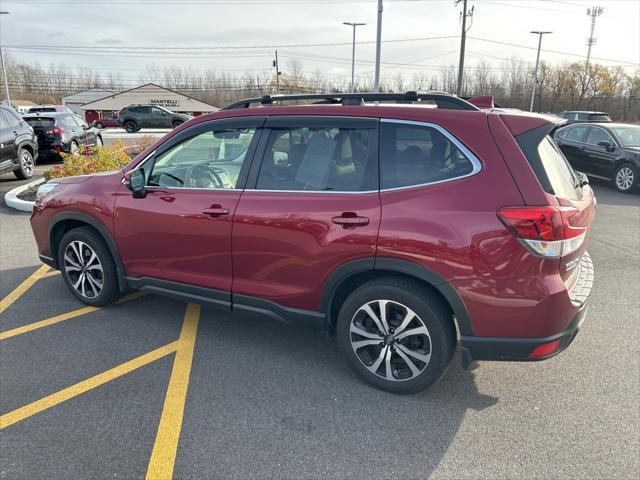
562, 179
40, 122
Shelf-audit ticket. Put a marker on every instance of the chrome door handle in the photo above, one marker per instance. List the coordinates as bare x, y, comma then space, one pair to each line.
216, 211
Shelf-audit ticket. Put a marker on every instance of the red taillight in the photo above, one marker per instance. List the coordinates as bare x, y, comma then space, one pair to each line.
540, 223
545, 349
56, 131
58, 148
546, 231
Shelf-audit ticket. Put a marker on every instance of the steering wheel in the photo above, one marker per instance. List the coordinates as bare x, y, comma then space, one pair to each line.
201, 176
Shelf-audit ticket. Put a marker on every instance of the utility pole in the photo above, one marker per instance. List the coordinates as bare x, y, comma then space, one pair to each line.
376, 81
4, 70
535, 72
275, 64
353, 52
463, 40
594, 13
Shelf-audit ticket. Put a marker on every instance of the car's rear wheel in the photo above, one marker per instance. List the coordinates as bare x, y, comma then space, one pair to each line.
625, 178
176, 124
25, 165
396, 334
87, 267
100, 125
130, 126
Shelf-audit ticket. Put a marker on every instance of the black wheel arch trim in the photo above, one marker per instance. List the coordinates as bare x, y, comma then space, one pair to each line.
405, 267
102, 230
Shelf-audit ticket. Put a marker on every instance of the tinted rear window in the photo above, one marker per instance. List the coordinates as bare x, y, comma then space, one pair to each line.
40, 122
561, 176
599, 117
42, 109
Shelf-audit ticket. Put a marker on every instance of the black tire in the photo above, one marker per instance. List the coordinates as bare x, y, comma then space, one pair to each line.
625, 178
87, 236
99, 125
176, 124
25, 165
430, 313
130, 126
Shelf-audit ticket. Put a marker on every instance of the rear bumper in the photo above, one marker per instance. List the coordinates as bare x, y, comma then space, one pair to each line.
518, 349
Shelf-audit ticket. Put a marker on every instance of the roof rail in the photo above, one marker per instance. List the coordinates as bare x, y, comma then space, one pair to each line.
442, 100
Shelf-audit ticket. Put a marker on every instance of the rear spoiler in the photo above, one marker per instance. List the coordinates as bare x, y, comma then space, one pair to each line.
521, 122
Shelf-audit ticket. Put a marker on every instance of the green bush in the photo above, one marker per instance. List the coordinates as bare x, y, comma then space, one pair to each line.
97, 159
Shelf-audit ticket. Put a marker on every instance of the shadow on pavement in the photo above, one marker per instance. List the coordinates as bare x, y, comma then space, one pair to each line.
287, 396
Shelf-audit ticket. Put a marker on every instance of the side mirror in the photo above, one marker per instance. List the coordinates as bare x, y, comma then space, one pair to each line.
135, 181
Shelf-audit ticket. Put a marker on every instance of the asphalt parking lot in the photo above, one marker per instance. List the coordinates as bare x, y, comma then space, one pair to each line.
155, 387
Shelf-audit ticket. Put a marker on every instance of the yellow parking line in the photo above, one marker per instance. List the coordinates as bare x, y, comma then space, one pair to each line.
163, 455
7, 301
90, 383
52, 273
60, 318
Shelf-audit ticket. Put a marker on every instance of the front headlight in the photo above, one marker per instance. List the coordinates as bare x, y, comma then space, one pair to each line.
43, 191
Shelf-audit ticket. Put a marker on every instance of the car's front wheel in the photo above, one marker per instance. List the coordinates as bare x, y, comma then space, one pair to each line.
99, 125
396, 334
176, 124
25, 165
87, 267
625, 178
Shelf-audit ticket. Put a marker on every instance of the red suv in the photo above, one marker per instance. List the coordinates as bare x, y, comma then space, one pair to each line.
400, 228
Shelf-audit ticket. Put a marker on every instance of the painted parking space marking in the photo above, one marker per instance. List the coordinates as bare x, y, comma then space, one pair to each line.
7, 301
61, 318
165, 447
162, 460
56, 398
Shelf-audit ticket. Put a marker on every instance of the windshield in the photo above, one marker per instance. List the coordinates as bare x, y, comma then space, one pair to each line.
628, 136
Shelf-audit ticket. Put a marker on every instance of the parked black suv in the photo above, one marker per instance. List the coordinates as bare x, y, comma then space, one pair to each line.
574, 116
18, 144
135, 117
62, 132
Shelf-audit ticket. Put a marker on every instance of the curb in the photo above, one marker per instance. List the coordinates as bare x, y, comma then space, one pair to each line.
11, 197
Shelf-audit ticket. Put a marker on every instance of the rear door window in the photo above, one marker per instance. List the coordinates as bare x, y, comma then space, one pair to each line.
412, 154
3, 121
319, 159
576, 134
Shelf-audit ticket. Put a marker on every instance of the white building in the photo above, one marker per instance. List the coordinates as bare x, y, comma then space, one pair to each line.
76, 100
149, 94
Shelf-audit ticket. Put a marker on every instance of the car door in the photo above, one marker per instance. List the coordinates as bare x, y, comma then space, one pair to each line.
160, 118
311, 206
179, 235
601, 159
572, 145
7, 141
87, 135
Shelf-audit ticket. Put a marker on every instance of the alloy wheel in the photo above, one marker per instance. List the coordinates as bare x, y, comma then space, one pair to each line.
390, 340
83, 269
26, 162
624, 178
74, 149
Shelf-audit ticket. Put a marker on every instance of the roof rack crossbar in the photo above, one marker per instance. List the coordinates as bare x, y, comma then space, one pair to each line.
442, 100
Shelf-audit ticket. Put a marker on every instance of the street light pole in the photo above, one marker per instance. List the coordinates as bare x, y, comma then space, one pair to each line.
376, 81
535, 72
353, 52
4, 70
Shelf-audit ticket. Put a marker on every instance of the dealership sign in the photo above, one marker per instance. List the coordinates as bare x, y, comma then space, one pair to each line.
165, 102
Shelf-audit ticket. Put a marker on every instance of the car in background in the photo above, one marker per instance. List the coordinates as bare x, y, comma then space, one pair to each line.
135, 117
62, 133
18, 144
50, 109
575, 116
107, 120
605, 150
